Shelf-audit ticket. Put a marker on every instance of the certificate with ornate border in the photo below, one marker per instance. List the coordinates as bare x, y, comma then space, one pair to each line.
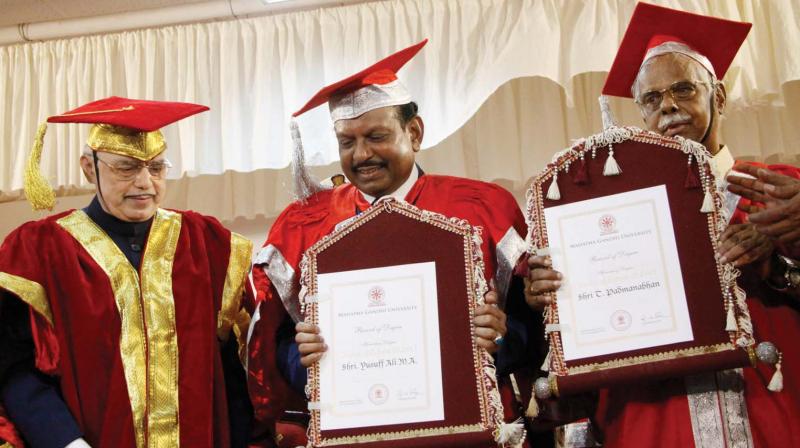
632, 220
396, 288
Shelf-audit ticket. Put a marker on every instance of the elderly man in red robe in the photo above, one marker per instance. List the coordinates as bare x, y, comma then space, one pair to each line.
670, 62
379, 134
117, 321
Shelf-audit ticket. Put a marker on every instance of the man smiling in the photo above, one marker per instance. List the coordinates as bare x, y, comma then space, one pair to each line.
379, 133
115, 320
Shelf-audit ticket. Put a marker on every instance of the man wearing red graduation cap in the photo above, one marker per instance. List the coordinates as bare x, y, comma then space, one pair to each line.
379, 133
670, 63
119, 322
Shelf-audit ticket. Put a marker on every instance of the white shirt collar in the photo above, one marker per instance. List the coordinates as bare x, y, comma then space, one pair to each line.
400, 193
721, 163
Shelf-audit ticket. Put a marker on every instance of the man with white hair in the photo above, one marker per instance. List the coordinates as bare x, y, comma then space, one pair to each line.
670, 63
118, 321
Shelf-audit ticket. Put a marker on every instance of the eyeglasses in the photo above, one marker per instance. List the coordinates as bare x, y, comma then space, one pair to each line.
128, 170
679, 91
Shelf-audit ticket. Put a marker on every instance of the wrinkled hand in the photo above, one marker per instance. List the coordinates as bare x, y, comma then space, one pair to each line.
780, 217
742, 244
309, 343
541, 281
490, 322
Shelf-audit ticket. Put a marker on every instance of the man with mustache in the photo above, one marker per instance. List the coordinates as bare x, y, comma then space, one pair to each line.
119, 322
379, 134
670, 62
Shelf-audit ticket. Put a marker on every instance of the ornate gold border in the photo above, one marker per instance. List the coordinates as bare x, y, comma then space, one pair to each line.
161, 332
655, 357
231, 315
537, 237
486, 383
148, 340
29, 292
400, 435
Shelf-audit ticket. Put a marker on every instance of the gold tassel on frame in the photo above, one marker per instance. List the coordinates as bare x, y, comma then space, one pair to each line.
37, 190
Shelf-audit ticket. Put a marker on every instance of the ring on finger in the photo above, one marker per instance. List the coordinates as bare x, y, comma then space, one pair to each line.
498, 340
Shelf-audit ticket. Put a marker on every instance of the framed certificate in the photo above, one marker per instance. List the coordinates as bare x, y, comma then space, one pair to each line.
632, 220
393, 291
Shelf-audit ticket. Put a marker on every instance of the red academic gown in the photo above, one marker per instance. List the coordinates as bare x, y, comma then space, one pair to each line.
726, 409
136, 354
276, 274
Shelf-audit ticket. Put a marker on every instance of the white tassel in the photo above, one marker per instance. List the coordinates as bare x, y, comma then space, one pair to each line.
546, 364
553, 193
305, 184
776, 383
533, 407
510, 434
708, 202
730, 321
605, 112
611, 167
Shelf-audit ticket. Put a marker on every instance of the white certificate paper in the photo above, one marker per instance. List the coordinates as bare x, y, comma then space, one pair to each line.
383, 366
622, 286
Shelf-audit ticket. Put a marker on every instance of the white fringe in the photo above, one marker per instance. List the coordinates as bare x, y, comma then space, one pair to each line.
510, 434
730, 320
708, 202
546, 364
776, 383
611, 167
553, 193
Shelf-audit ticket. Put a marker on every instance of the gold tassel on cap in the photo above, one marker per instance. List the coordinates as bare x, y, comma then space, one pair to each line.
37, 190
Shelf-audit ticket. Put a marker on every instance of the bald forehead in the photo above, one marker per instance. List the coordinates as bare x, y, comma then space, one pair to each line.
662, 71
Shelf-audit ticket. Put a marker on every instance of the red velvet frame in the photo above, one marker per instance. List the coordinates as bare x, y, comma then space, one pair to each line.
649, 160
380, 237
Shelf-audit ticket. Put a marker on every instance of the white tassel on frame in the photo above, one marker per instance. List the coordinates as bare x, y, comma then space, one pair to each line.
546, 363
776, 383
708, 202
553, 193
510, 434
730, 320
611, 167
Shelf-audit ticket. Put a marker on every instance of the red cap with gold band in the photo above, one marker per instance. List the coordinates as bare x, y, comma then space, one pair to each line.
121, 126
655, 30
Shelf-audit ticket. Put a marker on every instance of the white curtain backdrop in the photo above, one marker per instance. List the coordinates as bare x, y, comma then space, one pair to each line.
511, 137
253, 73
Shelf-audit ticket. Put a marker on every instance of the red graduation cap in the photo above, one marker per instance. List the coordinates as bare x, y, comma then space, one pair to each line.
711, 41
138, 115
381, 76
121, 126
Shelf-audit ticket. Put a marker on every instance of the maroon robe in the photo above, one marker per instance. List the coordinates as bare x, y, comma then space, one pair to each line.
136, 354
